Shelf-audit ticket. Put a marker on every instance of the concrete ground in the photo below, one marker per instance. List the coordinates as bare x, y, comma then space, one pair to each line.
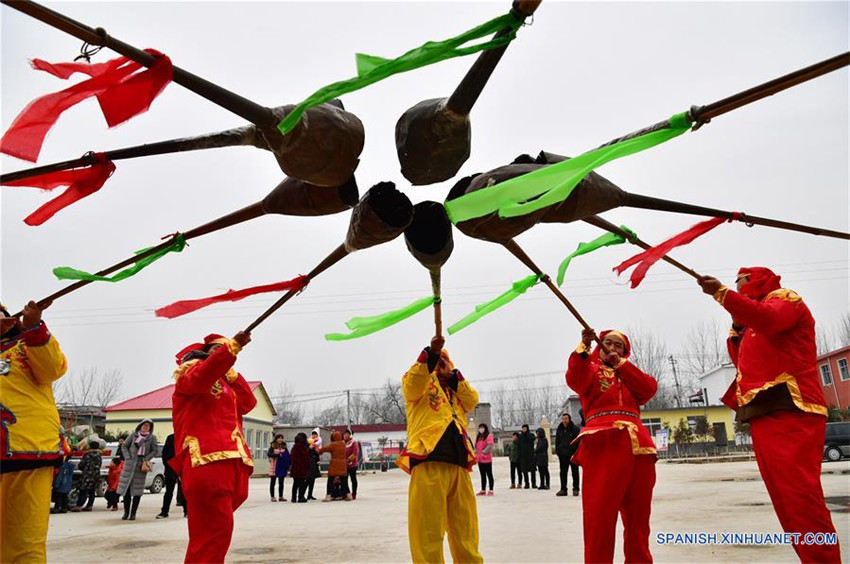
516, 525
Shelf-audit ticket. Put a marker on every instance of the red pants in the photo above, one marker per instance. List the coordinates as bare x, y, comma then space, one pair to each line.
615, 481
789, 451
213, 492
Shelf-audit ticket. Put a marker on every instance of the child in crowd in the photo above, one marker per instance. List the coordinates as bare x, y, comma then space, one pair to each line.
112, 478
62, 487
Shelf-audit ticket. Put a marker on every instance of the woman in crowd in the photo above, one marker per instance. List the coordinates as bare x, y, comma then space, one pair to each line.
484, 455
526, 457
138, 450
541, 458
315, 472
338, 470
279, 462
300, 468
89, 468
352, 459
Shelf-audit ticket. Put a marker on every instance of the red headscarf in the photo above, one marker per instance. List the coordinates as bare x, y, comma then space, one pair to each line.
628, 345
212, 338
762, 282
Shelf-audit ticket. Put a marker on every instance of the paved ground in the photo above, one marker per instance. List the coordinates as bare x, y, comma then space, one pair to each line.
516, 525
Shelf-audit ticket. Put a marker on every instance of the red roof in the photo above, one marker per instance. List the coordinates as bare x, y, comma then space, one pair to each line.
157, 399
388, 427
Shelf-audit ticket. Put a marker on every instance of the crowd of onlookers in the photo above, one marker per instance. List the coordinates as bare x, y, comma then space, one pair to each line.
529, 457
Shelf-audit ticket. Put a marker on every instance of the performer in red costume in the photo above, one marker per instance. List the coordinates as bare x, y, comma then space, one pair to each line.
777, 391
212, 458
616, 453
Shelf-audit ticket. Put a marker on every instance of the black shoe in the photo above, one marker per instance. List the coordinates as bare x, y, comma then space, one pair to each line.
313, 498
132, 517
302, 500
125, 517
526, 486
162, 516
562, 493
575, 493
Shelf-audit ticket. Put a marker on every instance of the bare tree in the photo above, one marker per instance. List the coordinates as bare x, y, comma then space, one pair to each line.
289, 412
89, 388
705, 348
842, 330
385, 405
333, 415
649, 353
824, 339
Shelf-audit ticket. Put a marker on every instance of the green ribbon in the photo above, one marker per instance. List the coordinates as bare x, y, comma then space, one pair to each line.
362, 326
583, 248
554, 183
518, 288
371, 69
67, 273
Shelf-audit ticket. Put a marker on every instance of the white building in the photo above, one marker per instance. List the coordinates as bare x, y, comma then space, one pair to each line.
716, 381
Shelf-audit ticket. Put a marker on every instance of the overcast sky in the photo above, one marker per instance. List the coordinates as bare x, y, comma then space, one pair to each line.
582, 74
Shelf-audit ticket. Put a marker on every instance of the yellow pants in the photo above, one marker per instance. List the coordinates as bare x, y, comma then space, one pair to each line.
24, 512
441, 499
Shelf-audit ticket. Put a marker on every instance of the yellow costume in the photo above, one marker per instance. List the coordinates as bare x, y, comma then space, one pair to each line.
440, 498
29, 440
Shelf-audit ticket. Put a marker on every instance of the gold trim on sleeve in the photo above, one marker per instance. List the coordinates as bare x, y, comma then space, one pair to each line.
785, 295
198, 459
720, 295
582, 348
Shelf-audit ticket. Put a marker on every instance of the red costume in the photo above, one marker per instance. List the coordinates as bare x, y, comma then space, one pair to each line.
777, 390
213, 460
616, 452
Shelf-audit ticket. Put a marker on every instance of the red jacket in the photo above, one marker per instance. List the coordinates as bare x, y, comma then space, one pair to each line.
611, 397
776, 346
113, 476
209, 401
300, 455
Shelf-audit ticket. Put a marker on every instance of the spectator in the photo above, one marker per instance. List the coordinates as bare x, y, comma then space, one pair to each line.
171, 480
338, 470
565, 449
526, 456
120, 449
89, 468
300, 468
139, 449
315, 472
541, 458
62, 487
484, 454
112, 478
352, 459
279, 462
512, 452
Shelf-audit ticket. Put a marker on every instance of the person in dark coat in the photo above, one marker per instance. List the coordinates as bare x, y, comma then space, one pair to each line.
512, 452
565, 449
300, 468
315, 472
541, 458
526, 457
137, 448
89, 468
171, 480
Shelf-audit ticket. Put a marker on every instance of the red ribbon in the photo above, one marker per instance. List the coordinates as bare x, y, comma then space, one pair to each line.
188, 306
81, 182
121, 93
650, 256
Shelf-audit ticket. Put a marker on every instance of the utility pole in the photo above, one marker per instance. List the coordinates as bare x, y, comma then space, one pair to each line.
676, 380
348, 408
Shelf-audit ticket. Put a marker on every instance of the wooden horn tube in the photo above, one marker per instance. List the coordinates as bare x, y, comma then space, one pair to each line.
659, 204
438, 301
240, 136
515, 250
337, 255
601, 223
251, 111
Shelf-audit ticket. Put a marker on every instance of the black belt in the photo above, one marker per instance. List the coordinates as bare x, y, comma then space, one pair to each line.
613, 412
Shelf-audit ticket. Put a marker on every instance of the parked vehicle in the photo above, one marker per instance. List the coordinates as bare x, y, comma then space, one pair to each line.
837, 441
154, 481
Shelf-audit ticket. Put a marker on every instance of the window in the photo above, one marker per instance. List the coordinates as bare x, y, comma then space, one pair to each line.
652, 425
843, 372
249, 438
266, 441
825, 375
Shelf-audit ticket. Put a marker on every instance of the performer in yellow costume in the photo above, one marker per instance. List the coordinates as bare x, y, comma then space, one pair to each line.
439, 457
30, 361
